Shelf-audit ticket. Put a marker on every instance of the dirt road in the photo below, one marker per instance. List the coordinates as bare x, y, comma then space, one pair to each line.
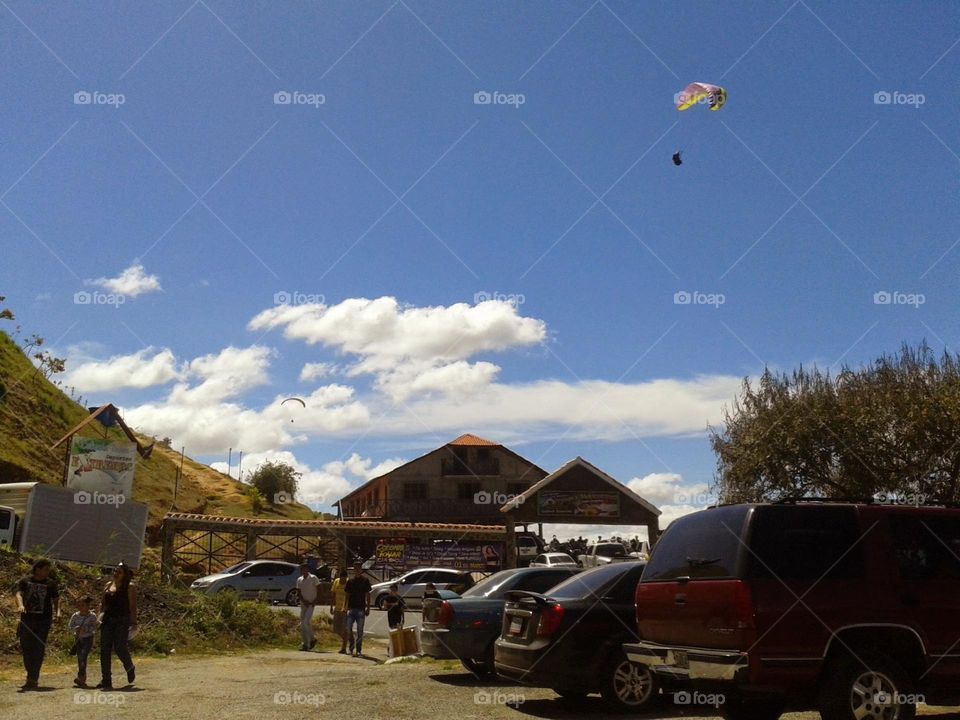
289, 684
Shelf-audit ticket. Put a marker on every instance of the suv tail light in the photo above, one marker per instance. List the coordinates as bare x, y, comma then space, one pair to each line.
550, 618
446, 614
743, 606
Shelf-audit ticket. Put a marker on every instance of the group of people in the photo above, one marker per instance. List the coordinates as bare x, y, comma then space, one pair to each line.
38, 602
349, 607
575, 546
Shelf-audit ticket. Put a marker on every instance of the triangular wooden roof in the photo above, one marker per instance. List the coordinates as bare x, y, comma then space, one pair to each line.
619, 486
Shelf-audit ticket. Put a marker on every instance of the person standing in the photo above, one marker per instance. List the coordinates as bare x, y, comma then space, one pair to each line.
358, 607
338, 608
307, 587
119, 619
395, 607
83, 625
38, 602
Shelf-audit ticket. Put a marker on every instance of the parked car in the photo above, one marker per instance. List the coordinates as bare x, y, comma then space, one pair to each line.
413, 583
570, 638
465, 628
528, 547
603, 554
255, 579
553, 559
799, 604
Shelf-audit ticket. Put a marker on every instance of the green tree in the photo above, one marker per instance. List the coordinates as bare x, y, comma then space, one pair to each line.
890, 427
276, 482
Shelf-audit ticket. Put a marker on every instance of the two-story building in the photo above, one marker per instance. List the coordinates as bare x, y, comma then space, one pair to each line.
465, 481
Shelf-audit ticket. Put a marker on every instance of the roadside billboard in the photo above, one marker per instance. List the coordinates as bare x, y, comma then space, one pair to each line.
102, 466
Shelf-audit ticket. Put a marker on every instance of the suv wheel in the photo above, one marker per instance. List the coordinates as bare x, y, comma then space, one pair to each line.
381, 602
868, 686
626, 686
293, 597
752, 708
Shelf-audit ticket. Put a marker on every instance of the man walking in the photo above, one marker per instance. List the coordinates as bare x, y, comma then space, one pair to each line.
38, 602
358, 607
307, 587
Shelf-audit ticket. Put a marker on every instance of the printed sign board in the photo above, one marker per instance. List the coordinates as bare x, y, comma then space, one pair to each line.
102, 466
585, 504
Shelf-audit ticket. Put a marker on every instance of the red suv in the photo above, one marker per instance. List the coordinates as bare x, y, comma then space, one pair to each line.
852, 609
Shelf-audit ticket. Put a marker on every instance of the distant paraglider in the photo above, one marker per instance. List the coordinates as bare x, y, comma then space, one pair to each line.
698, 93
295, 400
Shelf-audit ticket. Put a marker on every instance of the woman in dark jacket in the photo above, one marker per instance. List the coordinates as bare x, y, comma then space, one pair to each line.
119, 618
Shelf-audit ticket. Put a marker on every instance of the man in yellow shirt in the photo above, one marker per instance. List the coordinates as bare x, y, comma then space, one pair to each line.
338, 596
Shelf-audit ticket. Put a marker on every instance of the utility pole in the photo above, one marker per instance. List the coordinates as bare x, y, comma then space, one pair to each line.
229, 460
240, 468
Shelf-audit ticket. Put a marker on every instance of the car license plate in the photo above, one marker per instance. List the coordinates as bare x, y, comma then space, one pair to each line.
516, 626
681, 660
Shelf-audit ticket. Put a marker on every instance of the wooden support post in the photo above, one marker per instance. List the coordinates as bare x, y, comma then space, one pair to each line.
510, 561
251, 547
166, 554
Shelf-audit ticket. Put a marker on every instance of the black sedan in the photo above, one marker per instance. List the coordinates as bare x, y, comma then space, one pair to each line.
570, 638
465, 627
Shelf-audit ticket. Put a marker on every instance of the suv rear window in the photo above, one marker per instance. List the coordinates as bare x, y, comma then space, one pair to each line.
927, 547
704, 544
804, 542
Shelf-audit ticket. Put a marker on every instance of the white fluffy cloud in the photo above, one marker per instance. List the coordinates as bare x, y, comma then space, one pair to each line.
318, 488
131, 282
141, 369
317, 370
424, 381
591, 409
226, 374
410, 350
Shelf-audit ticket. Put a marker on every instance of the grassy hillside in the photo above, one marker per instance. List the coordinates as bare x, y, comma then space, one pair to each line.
34, 414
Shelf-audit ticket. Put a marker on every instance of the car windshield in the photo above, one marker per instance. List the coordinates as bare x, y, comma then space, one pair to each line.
590, 582
493, 585
560, 558
234, 569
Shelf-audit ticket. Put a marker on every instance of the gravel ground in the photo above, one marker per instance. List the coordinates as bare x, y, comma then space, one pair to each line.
288, 683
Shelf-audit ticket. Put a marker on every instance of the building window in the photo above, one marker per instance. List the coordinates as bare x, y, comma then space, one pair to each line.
414, 491
466, 491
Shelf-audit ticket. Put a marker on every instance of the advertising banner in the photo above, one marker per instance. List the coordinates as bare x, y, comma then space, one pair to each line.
580, 504
470, 556
102, 466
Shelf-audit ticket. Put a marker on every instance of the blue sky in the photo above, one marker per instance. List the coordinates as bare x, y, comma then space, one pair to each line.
201, 201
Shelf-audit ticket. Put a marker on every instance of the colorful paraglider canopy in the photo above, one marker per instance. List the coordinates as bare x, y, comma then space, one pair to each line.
676, 159
293, 399
698, 92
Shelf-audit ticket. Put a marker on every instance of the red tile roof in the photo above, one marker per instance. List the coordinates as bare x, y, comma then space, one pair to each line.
469, 439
